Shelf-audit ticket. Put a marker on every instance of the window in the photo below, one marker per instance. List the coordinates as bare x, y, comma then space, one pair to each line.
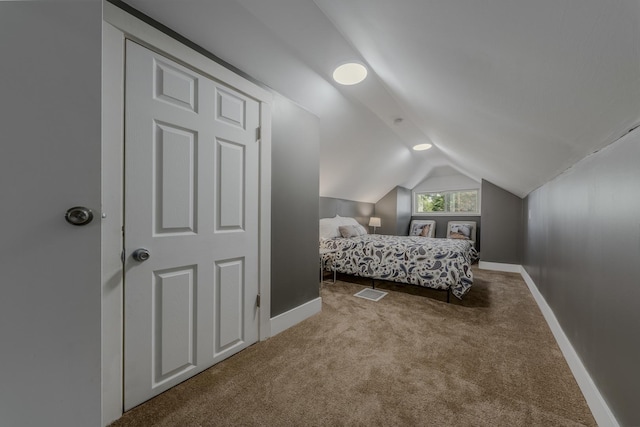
461, 201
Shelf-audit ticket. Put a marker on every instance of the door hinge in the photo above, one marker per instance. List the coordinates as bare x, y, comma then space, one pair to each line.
258, 301
258, 134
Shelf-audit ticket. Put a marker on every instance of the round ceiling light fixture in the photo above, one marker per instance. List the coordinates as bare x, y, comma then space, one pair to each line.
350, 73
422, 147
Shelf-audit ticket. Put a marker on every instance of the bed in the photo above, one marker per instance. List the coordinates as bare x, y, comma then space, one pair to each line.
443, 264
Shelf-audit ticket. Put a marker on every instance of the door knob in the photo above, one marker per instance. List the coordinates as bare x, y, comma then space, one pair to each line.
141, 254
78, 215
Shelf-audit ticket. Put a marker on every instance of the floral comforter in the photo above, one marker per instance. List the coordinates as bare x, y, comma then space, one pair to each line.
423, 261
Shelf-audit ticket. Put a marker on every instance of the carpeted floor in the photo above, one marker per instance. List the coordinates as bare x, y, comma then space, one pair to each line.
409, 359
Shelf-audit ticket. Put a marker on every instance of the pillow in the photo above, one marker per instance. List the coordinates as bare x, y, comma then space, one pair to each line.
344, 220
460, 231
417, 227
329, 228
458, 236
425, 230
352, 230
362, 229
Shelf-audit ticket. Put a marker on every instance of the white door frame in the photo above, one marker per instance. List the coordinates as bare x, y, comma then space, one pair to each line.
118, 26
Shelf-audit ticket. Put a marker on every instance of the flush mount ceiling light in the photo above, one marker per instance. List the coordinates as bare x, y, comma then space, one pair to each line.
422, 147
350, 73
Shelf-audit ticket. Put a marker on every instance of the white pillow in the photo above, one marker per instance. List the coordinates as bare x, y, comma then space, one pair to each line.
345, 220
329, 228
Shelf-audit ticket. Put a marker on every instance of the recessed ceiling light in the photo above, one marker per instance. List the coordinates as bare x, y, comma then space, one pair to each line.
350, 73
422, 147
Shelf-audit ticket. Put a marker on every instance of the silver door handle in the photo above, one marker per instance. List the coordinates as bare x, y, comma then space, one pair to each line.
141, 255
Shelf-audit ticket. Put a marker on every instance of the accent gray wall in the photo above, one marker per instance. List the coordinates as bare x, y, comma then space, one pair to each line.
582, 249
386, 209
294, 206
501, 225
404, 211
50, 115
394, 210
361, 211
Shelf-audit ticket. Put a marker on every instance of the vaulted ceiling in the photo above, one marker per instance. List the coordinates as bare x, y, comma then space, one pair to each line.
512, 91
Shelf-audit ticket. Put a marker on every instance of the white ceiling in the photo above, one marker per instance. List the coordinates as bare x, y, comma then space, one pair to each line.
512, 91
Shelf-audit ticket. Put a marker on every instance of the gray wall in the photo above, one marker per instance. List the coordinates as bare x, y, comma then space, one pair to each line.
386, 209
403, 214
361, 211
50, 117
394, 210
582, 249
294, 206
501, 225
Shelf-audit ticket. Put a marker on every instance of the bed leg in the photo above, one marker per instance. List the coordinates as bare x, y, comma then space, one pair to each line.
448, 295
373, 283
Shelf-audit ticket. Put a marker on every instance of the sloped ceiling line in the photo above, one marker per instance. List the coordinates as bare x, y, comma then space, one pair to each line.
512, 92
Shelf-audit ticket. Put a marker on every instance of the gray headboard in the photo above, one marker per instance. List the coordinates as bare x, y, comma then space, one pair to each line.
361, 211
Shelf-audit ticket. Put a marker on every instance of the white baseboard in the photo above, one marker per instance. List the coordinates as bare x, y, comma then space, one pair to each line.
599, 408
294, 316
498, 266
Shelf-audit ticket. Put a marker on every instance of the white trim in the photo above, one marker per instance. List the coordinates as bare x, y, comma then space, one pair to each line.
294, 316
599, 408
111, 226
264, 219
117, 26
415, 192
426, 214
137, 30
499, 266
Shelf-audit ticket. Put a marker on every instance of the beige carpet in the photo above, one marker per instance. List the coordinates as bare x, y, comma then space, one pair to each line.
408, 359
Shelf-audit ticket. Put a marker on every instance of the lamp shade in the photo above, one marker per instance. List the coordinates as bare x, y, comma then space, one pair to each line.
374, 221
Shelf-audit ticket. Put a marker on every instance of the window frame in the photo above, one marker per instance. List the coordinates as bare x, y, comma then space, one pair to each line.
416, 193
